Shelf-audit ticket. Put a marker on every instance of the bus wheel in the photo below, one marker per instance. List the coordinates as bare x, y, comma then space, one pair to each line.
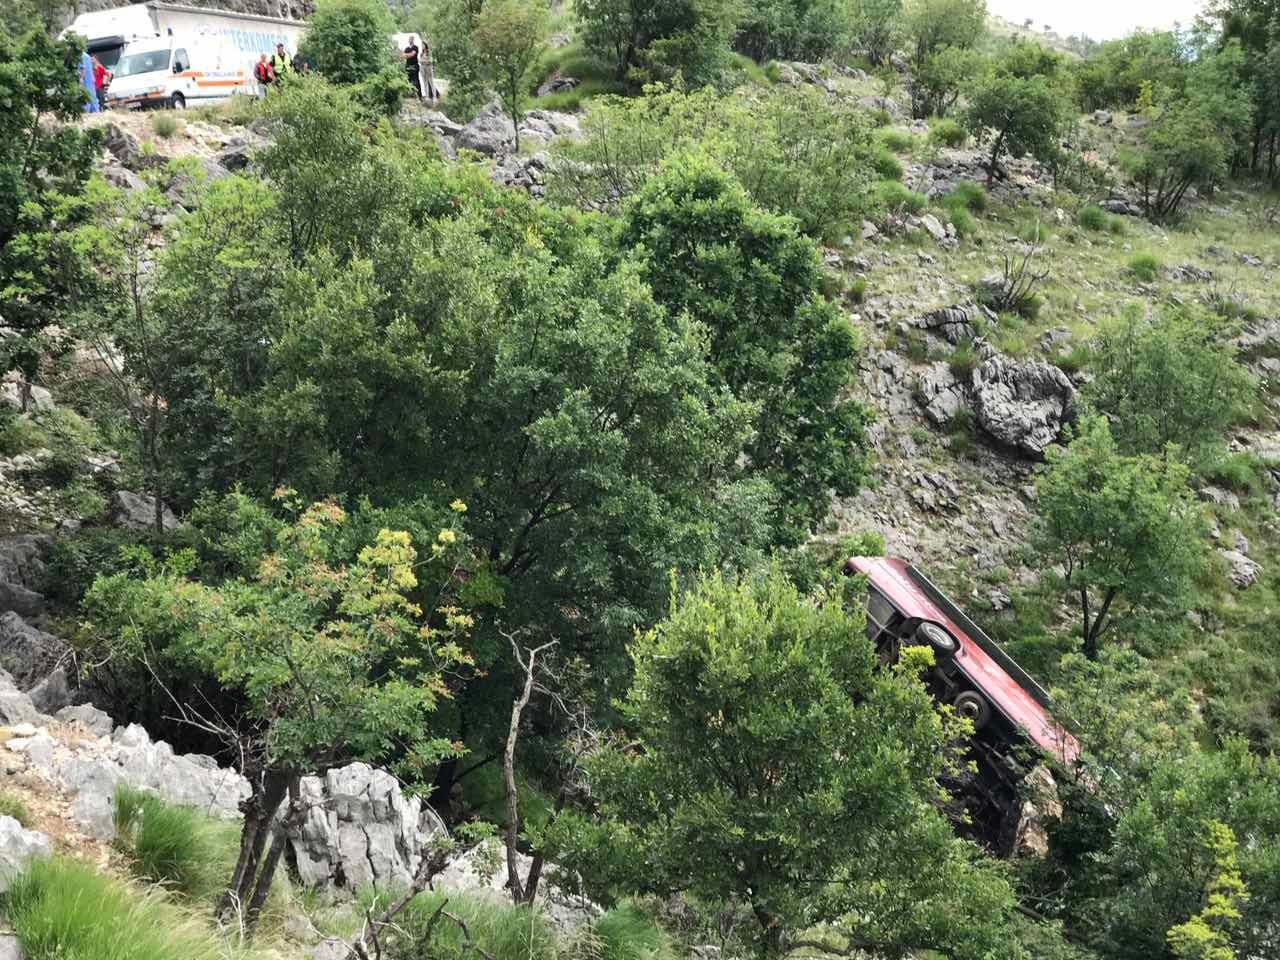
179, 102
975, 707
930, 634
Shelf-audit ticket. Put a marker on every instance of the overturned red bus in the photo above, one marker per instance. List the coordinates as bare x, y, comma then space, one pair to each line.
1009, 710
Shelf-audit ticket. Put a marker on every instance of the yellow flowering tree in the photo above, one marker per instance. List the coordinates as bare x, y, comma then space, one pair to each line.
325, 660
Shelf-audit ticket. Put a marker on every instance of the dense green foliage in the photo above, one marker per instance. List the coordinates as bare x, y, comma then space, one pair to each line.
346, 40
755, 704
646, 41
43, 168
754, 285
1125, 529
1020, 101
507, 36
1168, 379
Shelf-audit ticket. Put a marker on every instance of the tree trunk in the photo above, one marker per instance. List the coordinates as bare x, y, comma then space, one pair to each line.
259, 813
770, 927
263, 887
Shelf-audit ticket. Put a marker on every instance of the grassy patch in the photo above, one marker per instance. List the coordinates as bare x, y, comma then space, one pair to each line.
12, 805
177, 847
948, 133
964, 359
899, 141
594, 78
886, 165
627, 933
165, 125
66, 910
1093, 218
857, 292
968, 194
504, 931
1145, 266
895, 197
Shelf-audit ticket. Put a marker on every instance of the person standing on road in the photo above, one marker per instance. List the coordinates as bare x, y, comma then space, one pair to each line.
426, 73
265, 76
410, 58
86, 81
281, 63
101, 77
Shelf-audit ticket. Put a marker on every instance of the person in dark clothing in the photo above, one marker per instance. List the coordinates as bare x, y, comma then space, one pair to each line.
410, 58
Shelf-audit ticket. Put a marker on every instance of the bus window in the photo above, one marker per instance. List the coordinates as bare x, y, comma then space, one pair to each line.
881, 617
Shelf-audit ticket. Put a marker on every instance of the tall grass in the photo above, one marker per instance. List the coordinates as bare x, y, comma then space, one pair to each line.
177, 847
505, 931
627, 933
67, 910
12, 805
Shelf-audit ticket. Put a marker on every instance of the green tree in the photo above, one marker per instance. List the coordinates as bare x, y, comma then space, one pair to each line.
936, 84
653, 41
877, 25
932, 25
1207, 935
1124, 529
1021, 101
45, 161
755, 285
770, 758
322, 659
1168, 379
508, 36
349, 41
808, 30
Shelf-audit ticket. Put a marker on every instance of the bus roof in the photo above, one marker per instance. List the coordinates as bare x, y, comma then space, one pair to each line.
1010, 689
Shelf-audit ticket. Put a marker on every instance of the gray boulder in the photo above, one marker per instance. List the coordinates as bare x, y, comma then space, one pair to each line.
490, 133
941, 394
10, 948
28, 654
934, 227
235, 156
18, 846
1103, 118
52, 693
556, 84
122, 177
810, 74
87, 716
1023, 404
22, 572
15, 706
359, 830
1244, 572
441, 124
887, 104
473, 873
133, 511
124, 146
953, 323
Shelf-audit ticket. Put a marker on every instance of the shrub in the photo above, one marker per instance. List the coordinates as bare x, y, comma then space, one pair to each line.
963, 359
165, 125
625, 932
501, 930
966, 193
75, 561
895, 197
886, 165
67, 910
382, 93
899, 141
960, 218
346, 40
1145, 266
12, 805
175, 846
858, 290
1092, 218
948, 133
881, 118
1241, 472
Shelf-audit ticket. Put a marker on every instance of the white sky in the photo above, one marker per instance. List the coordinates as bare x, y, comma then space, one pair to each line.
1100, 19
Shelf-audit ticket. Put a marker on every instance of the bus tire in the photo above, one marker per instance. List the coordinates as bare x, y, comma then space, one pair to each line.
974, 706
178, 102
943, 644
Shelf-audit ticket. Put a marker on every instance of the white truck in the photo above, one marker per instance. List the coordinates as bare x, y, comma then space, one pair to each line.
172, 55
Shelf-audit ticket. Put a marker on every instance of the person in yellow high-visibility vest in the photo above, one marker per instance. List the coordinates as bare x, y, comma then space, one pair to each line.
281, 63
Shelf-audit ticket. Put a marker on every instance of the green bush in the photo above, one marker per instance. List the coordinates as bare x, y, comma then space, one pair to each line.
894, 196
76, 560
881, 118
961, 219
501, 930
1145, 266
12, 805
972, 196
67, 910
964, 359
858, 290
1241, 472
948, 133
886, 165
1092, 218
382, 93
165, 125
346, 40
178, 847
626, 933
899, 141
